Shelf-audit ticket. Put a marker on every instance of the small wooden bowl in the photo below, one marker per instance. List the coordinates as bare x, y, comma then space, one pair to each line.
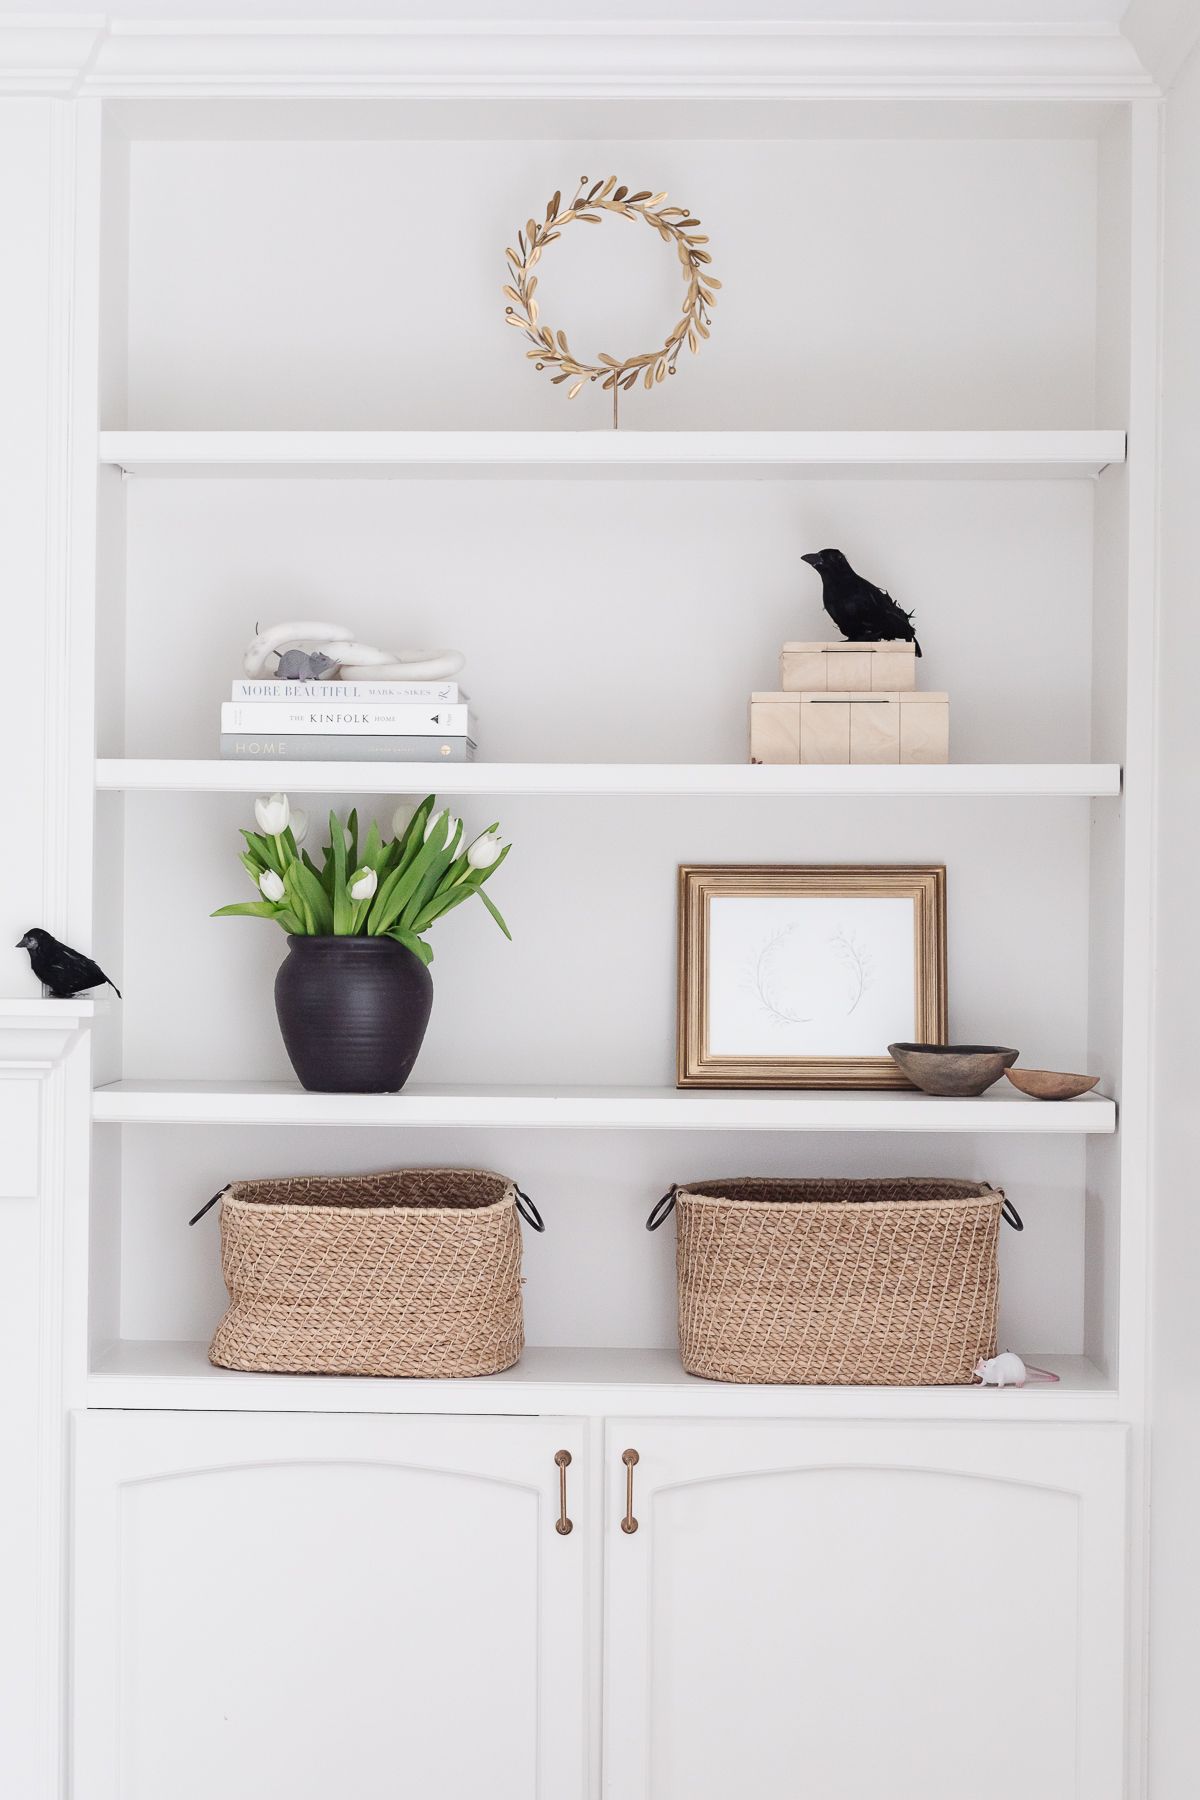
960, 1070
1048, 1084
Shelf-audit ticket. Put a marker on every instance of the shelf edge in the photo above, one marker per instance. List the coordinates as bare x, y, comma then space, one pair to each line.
1070, 781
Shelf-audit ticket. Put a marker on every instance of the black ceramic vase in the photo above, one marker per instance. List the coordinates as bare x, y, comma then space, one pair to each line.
353, 1012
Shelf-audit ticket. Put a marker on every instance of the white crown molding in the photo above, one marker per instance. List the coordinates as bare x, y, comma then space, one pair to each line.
1164, 34
48, 57
114, 57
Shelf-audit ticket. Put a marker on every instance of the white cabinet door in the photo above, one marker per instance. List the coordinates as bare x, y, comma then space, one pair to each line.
864, 1612
325, 1608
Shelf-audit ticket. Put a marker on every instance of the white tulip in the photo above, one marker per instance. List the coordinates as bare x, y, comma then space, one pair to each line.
485, 850
299, 824
451, 823
402, 818
363, 885
271, 885
273, 815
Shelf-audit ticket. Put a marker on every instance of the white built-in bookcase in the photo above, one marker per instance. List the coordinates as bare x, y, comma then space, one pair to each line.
935, 333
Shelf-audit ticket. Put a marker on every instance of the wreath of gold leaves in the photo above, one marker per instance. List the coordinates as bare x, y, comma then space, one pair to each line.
674, 225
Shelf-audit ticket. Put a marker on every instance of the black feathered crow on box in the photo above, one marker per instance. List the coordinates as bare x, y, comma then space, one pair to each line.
64, 971
863, 613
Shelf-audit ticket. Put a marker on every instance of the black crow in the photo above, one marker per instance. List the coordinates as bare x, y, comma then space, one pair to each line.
63, 970
863, 613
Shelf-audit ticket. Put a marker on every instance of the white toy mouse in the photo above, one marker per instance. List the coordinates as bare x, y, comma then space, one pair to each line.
1007, 1370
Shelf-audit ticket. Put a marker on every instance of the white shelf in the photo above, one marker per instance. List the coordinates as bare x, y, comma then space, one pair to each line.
647, 1383
1003, 1109
964, 780
712, 454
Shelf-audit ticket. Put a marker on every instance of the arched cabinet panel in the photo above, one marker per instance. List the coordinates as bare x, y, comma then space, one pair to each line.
865, 1612
310, 1607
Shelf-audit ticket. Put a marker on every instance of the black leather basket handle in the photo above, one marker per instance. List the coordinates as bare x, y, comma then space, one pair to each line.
662, 1209
209, 1204
529, 1211
1011, 1216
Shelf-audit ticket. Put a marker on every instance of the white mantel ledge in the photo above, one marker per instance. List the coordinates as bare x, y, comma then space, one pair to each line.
36, 1033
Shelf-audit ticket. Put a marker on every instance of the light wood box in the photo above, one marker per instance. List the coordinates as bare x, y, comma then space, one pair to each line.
850, 728
888, 668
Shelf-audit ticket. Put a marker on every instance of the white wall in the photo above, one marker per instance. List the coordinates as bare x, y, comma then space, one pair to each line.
36, 163
26, 347
1175, 1593
876, 284
619, 621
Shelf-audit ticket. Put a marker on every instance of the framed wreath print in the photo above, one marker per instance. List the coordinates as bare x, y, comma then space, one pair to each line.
802, 977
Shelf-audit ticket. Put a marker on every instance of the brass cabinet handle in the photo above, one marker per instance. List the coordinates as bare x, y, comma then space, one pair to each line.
563, 1525
630, 1458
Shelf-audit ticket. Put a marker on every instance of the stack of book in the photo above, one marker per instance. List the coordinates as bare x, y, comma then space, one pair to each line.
348, 721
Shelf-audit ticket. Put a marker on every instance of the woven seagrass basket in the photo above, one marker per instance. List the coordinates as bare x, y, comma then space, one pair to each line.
850, 1283
416, 1272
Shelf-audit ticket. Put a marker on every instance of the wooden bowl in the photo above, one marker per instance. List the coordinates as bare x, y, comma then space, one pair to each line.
961, 1070
1048, 1084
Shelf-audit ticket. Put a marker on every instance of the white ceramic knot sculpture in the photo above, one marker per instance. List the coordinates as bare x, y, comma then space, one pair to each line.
349, 659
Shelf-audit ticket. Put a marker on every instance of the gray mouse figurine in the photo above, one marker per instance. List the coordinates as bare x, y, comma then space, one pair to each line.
304, 665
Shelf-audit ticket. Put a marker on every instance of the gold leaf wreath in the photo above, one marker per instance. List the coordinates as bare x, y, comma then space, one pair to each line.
674, 225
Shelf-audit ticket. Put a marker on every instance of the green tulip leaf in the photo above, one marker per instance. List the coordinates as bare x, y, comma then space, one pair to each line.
411, 942
374, 855
440, 905
431, 878
309, 899
397, 894
495, 912
414, 832
264, 849
343, 906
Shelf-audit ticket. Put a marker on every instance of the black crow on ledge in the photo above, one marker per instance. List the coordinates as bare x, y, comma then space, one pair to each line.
862, 612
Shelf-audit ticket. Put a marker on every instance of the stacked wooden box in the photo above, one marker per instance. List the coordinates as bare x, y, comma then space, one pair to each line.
849, 703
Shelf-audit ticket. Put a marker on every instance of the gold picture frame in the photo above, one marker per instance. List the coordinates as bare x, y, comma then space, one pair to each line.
760, 1037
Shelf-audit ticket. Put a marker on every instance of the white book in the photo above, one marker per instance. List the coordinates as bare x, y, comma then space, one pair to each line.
391, 693
347, 749
345, 718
